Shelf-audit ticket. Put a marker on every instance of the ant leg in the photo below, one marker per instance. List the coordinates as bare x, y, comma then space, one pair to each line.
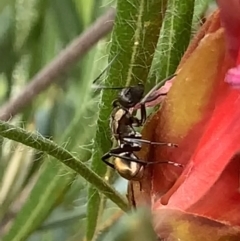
130, 159
106, 68
104, 159
116, 151
147, 163
136, 140
115, 103
143, 114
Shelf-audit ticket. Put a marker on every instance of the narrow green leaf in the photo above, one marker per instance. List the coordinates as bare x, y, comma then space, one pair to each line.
199, 12
7, 38
134, 226
66, 15
39, 43
66, 220
174, 37
98, 55
5, 3
85, 10
40, 201
134, 39
35, 43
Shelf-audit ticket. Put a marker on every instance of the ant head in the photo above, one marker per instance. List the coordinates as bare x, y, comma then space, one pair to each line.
130, 96
128, 169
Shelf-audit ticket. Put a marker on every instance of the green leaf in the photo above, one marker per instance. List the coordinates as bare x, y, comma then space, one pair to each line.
50, 185
5, 3
134, 39
199, 12
67, 19
7, 38
134, 226
85, 9
66, 220
174, 37
35, 43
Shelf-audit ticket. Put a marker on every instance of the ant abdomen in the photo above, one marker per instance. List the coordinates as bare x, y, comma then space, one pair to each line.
129, 170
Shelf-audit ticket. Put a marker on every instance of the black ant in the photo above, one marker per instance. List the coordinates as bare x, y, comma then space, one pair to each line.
122, 124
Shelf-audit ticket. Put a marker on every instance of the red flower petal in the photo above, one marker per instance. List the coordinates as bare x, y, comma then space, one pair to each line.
211, 186
188, 107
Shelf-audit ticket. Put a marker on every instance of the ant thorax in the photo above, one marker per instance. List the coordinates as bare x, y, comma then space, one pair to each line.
120, 123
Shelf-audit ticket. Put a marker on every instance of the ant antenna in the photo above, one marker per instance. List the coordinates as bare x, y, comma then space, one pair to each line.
110, 88
147, 97
110, 63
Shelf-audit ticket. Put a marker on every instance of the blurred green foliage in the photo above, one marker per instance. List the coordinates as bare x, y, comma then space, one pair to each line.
40, 198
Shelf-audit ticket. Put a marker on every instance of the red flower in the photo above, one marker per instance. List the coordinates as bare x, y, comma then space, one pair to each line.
202, 114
